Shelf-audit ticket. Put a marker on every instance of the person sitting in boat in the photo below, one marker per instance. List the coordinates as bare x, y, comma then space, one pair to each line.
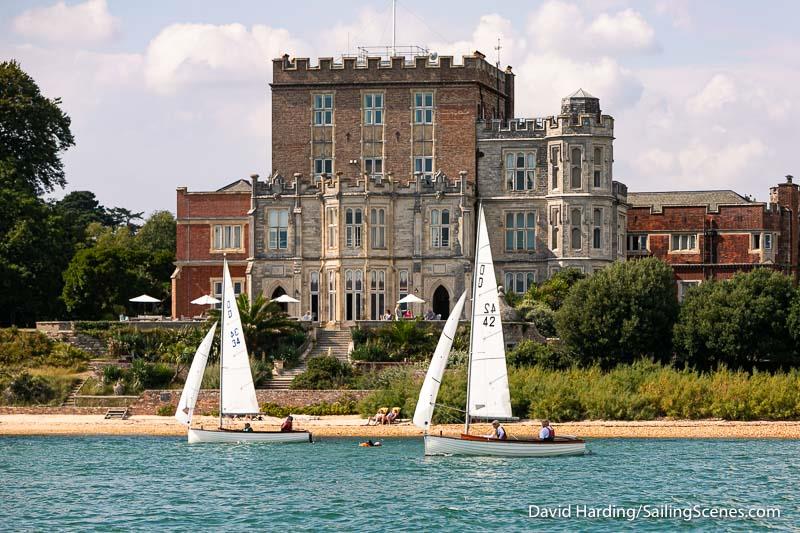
287, 424
547, 432
497, 431
247, 428
391, 417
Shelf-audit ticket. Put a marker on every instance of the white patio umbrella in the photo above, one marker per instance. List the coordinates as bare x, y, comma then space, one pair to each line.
286, 299
205, 299
145, 299
411, 299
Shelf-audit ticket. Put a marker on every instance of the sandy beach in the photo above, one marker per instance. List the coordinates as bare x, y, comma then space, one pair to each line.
354, 426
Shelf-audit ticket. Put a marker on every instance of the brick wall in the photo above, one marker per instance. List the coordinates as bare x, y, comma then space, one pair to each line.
208, 402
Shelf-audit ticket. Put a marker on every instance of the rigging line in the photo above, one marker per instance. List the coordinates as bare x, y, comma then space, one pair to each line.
442, 37
449, 407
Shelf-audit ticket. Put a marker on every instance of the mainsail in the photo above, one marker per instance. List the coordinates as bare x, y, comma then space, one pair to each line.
236, 380
433, 378
193, 380
488, 395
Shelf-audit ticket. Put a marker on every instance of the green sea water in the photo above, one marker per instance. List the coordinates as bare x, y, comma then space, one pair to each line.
165, 484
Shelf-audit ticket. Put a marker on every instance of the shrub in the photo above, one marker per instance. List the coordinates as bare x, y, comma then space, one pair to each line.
371, 352
143, 375
530, 353
166, 410
401, 391
625, 311
743, 322
540, 315
25, 389
324, 372
345, 406
33, 348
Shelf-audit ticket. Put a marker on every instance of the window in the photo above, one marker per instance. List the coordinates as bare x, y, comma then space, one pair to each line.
520, 168
238, 288
521, 231
423, 108
403, 287
353, 221
373, 166
596, 230
377, 230
331, 295
314, 294
637, 243
323, 109
440, 228
554, 155
684, 242
519, 282
555, 213
598, 161
575, 219
684, 286
768, 241
373, 108
756, 241
575, 174
353, 289
278, 229
333, 227
322, 165
377, 295
424, 165
227, 237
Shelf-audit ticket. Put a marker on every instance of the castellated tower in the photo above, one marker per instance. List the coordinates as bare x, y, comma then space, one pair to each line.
548, 184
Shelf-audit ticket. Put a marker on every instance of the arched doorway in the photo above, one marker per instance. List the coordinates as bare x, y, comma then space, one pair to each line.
280, 292
441, 302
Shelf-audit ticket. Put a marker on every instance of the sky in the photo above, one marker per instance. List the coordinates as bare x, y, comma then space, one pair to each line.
167, 93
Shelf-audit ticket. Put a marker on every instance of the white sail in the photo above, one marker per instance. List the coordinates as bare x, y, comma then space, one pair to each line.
193, 380
236, 380
433, 378
488, 381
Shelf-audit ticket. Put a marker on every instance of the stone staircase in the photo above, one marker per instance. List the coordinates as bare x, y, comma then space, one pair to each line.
329, 341
70, 400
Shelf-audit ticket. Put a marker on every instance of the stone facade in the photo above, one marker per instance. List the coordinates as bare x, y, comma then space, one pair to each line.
714, 234
547, 185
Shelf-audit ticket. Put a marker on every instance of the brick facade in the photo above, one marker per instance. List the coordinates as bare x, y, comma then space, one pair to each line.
714, 234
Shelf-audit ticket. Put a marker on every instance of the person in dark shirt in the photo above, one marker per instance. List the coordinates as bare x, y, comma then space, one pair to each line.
287, 424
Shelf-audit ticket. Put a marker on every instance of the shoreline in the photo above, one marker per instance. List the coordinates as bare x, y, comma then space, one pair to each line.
354, 426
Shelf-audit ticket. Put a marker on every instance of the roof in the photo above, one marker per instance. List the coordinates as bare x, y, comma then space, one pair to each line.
239, 185
711, 199
580, 93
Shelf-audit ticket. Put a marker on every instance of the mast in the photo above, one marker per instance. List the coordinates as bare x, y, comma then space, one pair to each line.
222, 335
472, 313
394, 28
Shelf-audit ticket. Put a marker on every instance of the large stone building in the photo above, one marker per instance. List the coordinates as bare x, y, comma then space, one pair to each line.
547, 184
379, 166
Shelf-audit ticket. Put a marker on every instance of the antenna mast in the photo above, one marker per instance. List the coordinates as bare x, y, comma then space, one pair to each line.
394, 26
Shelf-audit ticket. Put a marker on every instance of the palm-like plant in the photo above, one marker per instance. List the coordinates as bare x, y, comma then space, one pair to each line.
265, 325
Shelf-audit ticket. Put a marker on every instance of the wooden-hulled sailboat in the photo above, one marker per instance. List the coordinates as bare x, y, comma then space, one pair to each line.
487, 383
237, 392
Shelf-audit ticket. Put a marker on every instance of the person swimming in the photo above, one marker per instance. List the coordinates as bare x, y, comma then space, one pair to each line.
370, 444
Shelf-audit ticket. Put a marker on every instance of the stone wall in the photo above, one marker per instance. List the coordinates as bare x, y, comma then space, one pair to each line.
208, 402
48, 410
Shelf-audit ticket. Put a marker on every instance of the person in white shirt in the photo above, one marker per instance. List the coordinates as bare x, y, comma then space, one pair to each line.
497, 431
306, 317
547, 432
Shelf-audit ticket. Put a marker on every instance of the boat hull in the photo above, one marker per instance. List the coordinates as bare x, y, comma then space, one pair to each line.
471, 445
235, 437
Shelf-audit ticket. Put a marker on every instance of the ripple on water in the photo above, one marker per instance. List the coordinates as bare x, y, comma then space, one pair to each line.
107, 483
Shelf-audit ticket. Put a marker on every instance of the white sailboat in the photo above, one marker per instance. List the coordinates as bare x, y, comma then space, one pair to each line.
487, 383
237, 392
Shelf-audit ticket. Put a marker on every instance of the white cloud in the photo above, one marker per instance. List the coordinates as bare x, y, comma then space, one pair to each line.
678, 11
714, 165
183, 54
561, 28
718, 92
89, 22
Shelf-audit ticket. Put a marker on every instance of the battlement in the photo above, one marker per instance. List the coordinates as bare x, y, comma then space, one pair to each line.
545, 126
276, 185
377, 70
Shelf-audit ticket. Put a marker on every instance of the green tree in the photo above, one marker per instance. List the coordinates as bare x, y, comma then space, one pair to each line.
623, 312
743, 322
554, 290
267, 329
33, 132
158, 233
101, 279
